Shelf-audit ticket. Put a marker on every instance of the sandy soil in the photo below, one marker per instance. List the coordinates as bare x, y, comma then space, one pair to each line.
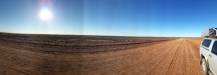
171, 57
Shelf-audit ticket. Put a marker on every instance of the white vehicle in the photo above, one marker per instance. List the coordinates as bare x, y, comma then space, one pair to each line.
208, 53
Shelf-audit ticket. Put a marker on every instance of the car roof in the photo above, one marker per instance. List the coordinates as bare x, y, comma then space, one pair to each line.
211, 38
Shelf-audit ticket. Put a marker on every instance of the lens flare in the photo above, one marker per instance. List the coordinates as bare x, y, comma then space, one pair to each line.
45, 14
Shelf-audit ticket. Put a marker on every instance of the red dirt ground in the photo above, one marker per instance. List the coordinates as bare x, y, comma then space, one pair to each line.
168, 57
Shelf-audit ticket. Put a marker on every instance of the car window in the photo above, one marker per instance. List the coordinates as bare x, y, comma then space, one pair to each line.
214, 48
206, 42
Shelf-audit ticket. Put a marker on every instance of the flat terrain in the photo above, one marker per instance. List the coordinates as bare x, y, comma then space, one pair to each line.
97, 55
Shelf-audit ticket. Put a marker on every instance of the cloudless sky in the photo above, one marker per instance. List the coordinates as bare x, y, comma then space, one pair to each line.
110, 17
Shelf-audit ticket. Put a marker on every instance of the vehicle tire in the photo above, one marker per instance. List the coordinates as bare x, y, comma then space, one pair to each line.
204, 67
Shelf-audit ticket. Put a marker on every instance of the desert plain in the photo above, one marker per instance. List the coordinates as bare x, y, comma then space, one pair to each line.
40, 54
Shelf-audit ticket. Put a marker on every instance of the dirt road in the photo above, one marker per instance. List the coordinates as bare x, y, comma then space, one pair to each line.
175, 57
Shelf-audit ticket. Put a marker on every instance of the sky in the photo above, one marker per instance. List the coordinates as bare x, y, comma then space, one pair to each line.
165, 18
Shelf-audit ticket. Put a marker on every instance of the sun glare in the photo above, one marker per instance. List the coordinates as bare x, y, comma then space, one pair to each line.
45, 15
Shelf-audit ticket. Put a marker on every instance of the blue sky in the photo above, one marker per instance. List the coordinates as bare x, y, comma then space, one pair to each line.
110, 17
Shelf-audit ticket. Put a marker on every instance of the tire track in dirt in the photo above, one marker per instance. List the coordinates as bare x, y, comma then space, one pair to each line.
129, 63
194, 59
162, 66
177, 61
185, 61
147, 57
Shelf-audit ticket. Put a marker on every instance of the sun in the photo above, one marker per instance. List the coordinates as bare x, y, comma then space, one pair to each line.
45, 14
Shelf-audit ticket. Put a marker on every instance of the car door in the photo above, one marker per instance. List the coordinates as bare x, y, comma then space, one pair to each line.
212, 58
204, 48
